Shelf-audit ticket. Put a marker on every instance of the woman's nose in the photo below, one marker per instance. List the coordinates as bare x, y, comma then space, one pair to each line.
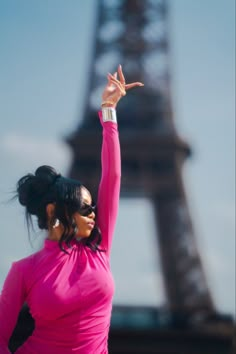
92, 215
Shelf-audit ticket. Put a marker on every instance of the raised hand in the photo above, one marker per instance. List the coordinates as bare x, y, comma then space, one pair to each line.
115, 89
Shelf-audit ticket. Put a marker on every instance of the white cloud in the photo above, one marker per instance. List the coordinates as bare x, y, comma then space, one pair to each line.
32, 150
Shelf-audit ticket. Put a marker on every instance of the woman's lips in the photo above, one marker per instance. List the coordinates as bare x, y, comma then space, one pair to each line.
91, 225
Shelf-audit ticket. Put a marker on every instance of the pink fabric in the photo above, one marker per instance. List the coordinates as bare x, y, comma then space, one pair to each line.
70, 296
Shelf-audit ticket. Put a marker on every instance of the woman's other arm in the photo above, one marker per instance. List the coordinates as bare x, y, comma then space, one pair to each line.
11, 300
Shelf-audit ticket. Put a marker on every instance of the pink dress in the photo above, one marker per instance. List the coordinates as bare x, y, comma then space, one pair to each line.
69, 295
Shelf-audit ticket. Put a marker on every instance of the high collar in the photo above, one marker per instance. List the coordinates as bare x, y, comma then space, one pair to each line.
54, 245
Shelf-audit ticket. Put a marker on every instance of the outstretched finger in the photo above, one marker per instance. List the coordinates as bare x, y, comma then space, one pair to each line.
121, 75
134, 84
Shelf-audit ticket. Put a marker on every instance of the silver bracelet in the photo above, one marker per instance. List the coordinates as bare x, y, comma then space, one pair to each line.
109, 114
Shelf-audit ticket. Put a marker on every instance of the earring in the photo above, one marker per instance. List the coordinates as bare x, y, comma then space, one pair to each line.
56, 223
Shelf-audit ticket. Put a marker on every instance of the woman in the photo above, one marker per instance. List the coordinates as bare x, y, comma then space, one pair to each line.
68, 285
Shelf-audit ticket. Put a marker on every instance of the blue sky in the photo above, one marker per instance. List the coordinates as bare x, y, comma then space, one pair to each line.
44, 48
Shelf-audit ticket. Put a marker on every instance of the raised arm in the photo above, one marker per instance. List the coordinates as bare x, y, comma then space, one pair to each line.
109, 188
12, 298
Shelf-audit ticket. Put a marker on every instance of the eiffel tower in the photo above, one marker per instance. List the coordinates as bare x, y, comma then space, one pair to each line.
135, 34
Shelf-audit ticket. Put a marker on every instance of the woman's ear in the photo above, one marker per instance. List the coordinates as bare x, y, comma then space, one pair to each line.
50, 209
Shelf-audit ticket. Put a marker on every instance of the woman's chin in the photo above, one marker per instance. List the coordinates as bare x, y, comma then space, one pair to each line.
80, 237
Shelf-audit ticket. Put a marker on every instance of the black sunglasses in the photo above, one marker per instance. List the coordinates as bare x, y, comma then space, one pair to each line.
87, 209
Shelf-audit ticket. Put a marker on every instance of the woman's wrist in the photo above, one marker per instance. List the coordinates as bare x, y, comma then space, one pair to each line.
109, 114
108, 104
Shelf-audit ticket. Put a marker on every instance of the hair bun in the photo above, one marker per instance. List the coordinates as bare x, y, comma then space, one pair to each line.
47, 174
32, 189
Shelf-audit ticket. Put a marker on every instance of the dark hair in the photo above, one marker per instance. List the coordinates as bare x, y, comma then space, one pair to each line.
35, 191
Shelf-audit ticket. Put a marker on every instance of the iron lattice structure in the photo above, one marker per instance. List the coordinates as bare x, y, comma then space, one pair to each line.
135, 33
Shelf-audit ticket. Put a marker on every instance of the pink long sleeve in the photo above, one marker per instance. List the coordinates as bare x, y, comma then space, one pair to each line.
11, 301
109, 188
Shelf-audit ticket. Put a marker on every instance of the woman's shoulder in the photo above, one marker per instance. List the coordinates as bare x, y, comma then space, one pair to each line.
27, 262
